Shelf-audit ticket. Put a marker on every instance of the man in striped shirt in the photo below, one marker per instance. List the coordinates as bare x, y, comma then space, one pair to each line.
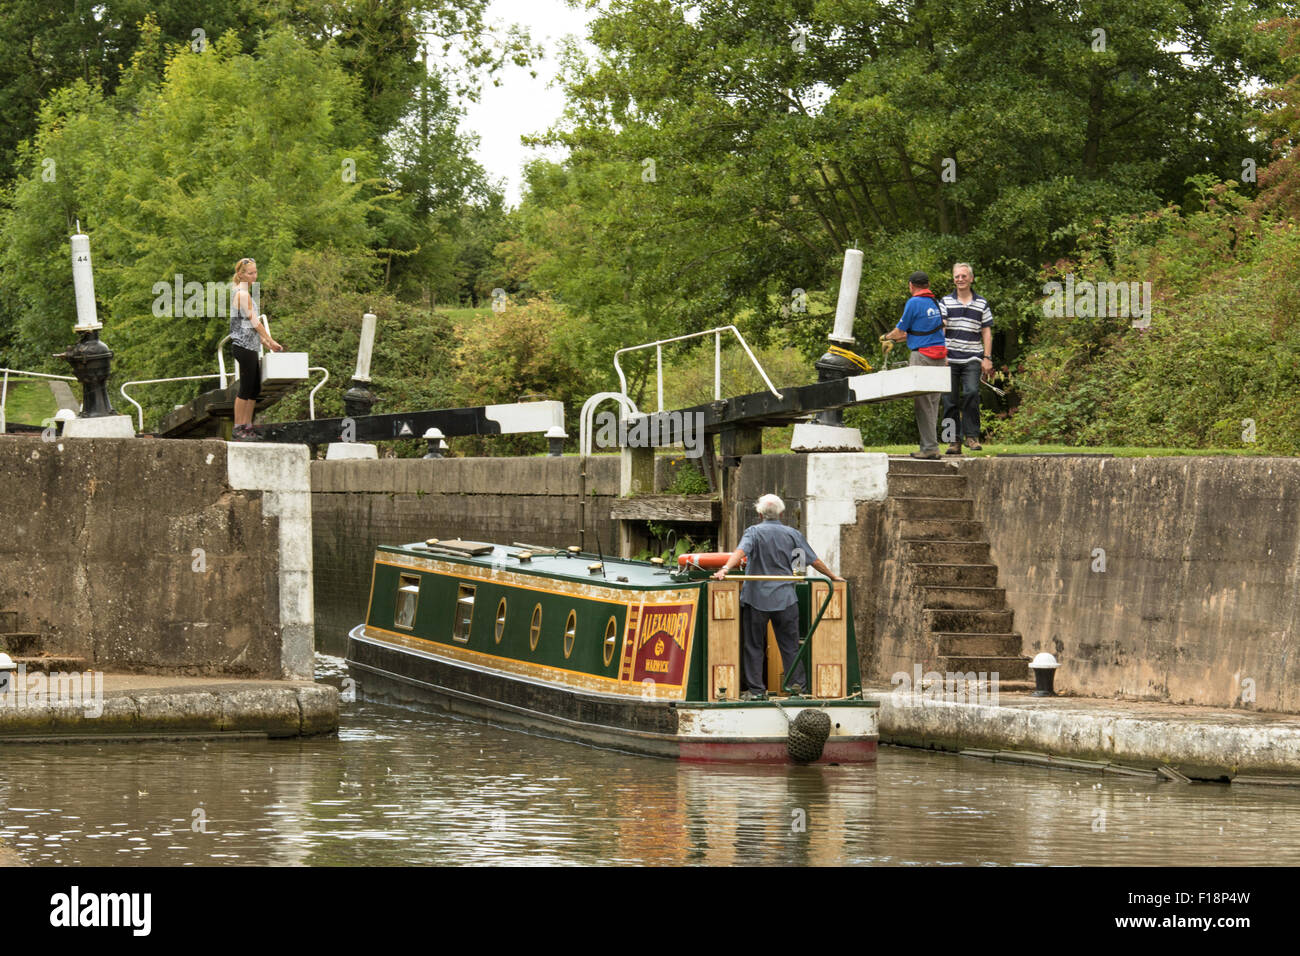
968, 334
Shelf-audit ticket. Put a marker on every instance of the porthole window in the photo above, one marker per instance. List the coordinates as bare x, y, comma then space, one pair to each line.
611, 640
501, 620
408, 596
535, 628
570, 633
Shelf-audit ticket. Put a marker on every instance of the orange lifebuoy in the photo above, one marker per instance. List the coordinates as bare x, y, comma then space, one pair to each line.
710, 560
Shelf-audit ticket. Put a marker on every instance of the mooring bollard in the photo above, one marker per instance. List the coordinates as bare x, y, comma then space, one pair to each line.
555, 441
436, 445
1044, 667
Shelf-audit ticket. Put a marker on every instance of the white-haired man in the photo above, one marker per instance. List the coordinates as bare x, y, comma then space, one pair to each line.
771, 547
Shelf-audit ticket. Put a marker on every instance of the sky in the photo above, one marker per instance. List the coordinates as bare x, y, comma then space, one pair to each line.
522, 105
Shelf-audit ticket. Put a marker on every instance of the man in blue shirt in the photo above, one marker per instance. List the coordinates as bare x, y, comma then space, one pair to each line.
968, 330
922, 328
771, 547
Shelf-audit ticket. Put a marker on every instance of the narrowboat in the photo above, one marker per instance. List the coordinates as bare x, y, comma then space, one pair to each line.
622, 654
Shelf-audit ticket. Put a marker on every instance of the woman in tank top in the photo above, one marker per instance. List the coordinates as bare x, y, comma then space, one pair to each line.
247, 335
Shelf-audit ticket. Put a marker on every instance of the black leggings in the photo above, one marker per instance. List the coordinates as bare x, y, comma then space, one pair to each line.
250, 372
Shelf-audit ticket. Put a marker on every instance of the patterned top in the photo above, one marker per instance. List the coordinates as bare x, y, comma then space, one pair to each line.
773, 548
962, 325
242, 332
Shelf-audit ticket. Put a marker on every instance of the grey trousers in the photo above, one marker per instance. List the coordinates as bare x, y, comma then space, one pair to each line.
927, 407
785, 625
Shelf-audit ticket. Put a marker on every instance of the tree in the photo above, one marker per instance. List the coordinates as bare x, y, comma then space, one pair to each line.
744, 146
231, 155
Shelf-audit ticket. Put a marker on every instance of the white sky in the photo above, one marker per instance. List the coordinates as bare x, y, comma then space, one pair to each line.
522, 105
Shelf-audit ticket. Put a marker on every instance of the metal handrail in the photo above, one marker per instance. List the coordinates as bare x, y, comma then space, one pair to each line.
589, 411
155, 381
221, 362
804, 651
311, 396
19, 373
717, 360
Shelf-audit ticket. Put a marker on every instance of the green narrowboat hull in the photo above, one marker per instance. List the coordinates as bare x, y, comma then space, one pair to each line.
616, 658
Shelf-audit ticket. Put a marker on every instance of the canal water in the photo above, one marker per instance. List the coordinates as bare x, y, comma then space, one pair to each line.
402, 787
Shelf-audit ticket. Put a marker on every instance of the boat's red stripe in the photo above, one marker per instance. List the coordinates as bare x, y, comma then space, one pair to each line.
845, 751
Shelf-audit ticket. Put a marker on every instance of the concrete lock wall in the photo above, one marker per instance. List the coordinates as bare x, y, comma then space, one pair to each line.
186, 557
1199, 599
357, 505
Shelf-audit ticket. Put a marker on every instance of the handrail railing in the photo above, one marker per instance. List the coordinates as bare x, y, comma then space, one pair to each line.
804, 651
155, 381
717, 360
19, 373
221, 375
221, 362
311, 396
589, 410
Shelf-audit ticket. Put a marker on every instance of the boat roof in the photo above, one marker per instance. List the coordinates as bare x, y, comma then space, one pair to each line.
548, 562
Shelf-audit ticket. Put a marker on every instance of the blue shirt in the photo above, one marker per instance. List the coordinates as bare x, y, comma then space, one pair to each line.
922, 321
962, 324
773, 548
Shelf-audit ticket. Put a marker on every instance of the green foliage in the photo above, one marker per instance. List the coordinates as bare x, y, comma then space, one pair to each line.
884, 423
688, 480
524, 351
231, 155
1217, 366
669, 545
723, 156
689, 371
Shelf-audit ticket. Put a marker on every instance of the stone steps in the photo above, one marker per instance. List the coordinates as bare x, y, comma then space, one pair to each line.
966, 644
1007, 668
925, 551
940, 529
947, 554
941, 597
969, 621
949, 509
45, 663
906, 465
969, 575
20, 642
927, 486
28, 648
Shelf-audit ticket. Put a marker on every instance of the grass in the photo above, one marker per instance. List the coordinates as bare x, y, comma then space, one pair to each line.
29, 403
992, 450
1119, 451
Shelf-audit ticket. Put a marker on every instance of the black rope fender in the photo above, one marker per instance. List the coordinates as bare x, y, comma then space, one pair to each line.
808, 733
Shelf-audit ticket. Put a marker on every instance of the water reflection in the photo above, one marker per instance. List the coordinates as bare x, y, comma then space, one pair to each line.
399, 787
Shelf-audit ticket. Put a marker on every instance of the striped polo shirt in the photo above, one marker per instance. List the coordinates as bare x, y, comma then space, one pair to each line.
962, 324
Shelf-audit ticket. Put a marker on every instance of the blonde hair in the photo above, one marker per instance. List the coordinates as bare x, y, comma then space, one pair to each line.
239, 270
